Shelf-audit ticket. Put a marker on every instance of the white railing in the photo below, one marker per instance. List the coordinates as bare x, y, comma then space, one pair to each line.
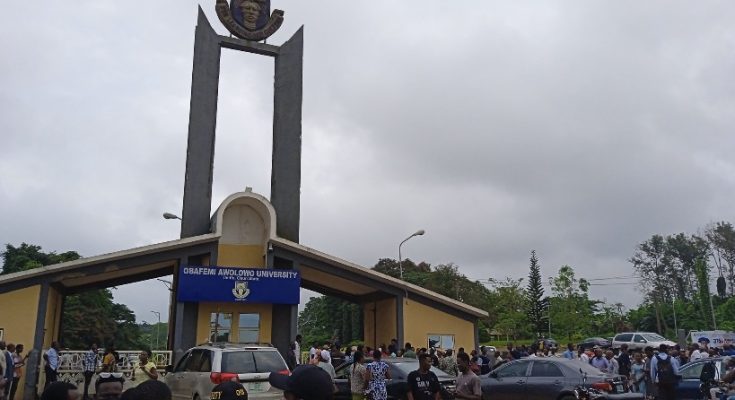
71, 368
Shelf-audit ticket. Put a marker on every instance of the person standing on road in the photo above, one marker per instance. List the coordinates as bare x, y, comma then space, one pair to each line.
358, 373
468, 384
18, 363
52, 363
377, 372
598, 361
422, 383
326, 364
89, 365
612, 364
409, 353
448, 364
569, 354
109, 361
664, 373
9, 367
297, 349
624, 361
144, 369
638, 374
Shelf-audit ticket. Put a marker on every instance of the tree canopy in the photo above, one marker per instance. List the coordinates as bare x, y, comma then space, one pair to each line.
87, 317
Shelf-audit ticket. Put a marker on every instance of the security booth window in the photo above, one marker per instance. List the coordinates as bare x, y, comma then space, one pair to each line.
220, 325
249, 328
441, 341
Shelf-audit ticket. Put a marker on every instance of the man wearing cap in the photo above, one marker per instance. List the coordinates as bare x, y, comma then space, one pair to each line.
229, 391
326, 364
307, 382
700, 350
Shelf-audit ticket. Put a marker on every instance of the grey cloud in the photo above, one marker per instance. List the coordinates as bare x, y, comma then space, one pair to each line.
578, 129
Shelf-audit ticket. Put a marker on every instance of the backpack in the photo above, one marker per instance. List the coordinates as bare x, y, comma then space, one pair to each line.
708, 373
665, 371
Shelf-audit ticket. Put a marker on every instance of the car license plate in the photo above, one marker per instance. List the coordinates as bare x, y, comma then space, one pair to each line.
256, 387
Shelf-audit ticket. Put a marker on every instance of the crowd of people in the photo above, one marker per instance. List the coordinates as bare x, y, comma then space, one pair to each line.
12, 361
652, 372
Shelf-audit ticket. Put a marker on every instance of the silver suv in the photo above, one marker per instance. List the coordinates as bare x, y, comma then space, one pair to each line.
640, 340
204, 366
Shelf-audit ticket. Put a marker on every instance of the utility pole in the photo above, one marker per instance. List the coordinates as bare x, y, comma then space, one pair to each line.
158, 326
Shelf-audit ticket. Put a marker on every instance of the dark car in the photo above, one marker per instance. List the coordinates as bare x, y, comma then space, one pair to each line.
688, 387
397, 386
548, 378
595, 341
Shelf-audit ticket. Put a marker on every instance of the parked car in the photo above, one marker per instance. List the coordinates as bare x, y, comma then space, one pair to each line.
594, 341
398, 385
548, 378
640, 340
203, 367
688, 387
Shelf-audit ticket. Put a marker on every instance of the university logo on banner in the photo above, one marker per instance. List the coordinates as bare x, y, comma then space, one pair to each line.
231, 284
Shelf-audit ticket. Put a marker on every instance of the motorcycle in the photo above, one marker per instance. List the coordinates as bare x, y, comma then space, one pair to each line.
582, 392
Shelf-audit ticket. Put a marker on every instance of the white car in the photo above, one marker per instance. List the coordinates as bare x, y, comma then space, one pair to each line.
640, 340
203, 367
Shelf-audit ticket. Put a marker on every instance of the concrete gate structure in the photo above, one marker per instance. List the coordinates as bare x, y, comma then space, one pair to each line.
247, 230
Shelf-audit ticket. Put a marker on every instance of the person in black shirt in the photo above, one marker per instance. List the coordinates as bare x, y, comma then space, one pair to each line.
422, 383
624, 361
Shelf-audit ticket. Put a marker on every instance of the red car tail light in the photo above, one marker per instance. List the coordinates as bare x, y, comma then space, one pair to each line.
604, 386
219, 377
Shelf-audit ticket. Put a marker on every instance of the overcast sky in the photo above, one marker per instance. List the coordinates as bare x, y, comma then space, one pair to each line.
575, 128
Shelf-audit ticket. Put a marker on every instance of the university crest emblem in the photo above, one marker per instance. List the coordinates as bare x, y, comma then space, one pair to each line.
249, 19
240, 291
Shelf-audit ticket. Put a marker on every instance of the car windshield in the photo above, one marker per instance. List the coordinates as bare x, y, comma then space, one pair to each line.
408, 367
248, 362
652, 337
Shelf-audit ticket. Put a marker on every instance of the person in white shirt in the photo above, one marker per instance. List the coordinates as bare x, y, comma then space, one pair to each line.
698, 353
312, 352
326, 364
612, 367
297, 349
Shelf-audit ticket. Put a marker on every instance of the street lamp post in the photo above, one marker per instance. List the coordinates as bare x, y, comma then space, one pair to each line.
168, 215
158, 327
400, 259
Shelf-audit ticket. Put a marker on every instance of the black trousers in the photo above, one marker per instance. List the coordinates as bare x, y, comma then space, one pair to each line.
50, 376
13, 388
666, 391
87, 379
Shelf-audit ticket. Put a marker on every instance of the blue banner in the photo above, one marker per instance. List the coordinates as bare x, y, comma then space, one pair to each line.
241, 285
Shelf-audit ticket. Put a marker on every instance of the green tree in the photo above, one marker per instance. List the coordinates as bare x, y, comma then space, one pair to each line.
87, 317
534, 297
571, 308
325, 318
507, 308
721, 239
28, 256
705, 299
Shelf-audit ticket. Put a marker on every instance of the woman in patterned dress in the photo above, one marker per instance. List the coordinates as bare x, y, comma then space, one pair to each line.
377, 372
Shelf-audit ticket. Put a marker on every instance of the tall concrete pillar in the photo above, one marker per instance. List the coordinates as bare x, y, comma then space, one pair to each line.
202, 123
286, 166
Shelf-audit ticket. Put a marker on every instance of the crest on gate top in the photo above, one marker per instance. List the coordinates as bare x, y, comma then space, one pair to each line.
249, 19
